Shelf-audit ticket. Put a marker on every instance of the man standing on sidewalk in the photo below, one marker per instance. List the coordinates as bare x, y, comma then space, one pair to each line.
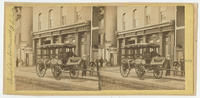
167, 66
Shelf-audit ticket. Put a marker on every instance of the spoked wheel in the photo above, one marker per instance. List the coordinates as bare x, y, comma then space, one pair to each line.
139, 71
41, 69
124, 70
157, 73
56, 71
73, 72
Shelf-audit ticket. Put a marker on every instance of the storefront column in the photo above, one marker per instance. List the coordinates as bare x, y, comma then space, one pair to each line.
123, 45
51, 38
34, 52
119, 51
87, 44
171, 49
161, 43
77, 51
172, 45
39, 45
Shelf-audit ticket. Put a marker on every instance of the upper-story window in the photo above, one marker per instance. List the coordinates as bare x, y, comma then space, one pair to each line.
134, 18
163, 14
123, 21
180, 16
78, 16
50, 18
63, 17
39, 21
147, 15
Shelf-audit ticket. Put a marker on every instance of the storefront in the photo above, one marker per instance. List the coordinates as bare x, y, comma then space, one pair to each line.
161, 34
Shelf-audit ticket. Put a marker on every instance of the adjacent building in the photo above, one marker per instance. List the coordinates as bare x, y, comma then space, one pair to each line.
23, 37
104, 27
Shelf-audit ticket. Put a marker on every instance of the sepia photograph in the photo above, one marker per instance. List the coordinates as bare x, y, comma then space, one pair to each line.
99, 47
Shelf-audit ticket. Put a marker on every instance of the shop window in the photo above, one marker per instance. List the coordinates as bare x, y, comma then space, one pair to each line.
129, 41
148, 38
55, 39
140, 39
82, 38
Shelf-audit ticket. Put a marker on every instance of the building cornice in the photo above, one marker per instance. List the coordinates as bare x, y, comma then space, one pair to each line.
73, 28
161, 27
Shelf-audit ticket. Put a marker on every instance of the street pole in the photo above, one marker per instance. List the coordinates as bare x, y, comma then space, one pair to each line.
91, 26
98, 74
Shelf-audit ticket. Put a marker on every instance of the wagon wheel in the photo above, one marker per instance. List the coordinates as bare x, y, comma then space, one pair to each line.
157, 73
56, 71
124, 70
139, 71
41, 69
73, 72
92, 68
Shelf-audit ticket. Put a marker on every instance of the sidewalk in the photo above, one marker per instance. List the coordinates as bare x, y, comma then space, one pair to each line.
113, 75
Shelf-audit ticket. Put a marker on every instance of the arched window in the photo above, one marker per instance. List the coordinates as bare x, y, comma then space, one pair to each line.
147, 15
62, 16
39, 21
50, 18
134, 18
123, 21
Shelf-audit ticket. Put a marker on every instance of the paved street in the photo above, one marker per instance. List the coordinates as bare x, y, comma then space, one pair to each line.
112, 78
26, 79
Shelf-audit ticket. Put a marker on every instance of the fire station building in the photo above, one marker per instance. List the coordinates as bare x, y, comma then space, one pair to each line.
62, 24
162, 25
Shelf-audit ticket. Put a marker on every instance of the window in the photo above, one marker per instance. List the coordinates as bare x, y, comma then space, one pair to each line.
39, 22
163, 14
99, 39
140, 39
123, 21
147, 15
63, 17
180, 16
50, 18
77, 14
134, 19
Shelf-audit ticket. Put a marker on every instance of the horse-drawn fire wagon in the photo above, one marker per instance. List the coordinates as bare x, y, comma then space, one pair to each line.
60, 58
143, 57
